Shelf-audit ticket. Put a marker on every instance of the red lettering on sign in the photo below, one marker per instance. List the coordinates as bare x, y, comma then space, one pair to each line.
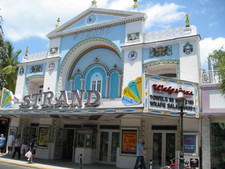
170, 90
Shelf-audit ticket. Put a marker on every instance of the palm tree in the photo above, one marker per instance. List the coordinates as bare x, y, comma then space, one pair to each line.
8, 65
218, 57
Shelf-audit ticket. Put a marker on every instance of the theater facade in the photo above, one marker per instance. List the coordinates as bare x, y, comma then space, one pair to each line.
105, 83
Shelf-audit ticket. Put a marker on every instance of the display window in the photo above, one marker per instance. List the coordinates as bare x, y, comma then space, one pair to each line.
43, 136
129, 141
217, 145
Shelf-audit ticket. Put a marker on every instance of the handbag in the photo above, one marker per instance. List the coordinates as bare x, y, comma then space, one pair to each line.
28, 154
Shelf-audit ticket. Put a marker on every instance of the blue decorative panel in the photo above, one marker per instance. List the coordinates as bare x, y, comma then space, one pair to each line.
158, 53
114, 80
77, 83
36, 68
116, 34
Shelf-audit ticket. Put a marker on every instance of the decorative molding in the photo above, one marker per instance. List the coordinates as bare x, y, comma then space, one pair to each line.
90, 28
87, 42
153, 63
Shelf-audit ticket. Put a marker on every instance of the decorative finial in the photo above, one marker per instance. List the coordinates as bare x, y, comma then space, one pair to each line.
187, 22
96, 60
135, 6
58, 23
93, 3
26, 52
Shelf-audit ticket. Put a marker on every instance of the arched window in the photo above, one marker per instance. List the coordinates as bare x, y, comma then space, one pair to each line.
96, 82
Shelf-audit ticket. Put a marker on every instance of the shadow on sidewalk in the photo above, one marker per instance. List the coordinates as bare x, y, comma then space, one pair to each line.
60, 163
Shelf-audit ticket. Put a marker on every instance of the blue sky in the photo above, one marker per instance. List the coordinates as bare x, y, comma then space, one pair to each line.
26, 22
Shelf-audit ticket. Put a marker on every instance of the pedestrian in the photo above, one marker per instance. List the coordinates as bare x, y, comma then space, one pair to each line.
11, 138
140, 161
33, 146
2, 143
17, 146
25, 145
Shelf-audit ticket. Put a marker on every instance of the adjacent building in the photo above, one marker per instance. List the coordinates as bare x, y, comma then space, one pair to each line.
213, 110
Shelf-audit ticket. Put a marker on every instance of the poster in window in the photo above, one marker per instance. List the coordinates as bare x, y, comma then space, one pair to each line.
43, 136
129, 141
189, 143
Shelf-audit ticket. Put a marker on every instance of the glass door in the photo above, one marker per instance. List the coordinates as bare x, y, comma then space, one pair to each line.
104, 144
68, 144
109, 141
163, 151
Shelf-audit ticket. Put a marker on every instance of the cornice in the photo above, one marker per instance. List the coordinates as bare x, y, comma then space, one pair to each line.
39, 61
121, 21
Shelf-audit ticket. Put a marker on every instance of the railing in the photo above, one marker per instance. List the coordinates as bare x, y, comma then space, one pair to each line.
35, 56
211, 76
170, 33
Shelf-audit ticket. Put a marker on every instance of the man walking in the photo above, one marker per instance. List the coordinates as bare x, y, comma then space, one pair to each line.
140, 161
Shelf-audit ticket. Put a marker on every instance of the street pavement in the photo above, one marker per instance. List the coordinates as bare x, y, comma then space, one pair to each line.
52, 164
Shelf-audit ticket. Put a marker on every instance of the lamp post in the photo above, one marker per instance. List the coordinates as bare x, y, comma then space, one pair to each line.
180, 104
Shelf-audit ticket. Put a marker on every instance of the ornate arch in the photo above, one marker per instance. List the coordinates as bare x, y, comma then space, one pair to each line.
79, 50
35, 79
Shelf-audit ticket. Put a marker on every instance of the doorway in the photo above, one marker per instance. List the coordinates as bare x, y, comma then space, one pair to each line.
68, 144
109, 141
163, 148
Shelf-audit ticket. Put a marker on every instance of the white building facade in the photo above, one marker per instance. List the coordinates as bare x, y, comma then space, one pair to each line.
113, 84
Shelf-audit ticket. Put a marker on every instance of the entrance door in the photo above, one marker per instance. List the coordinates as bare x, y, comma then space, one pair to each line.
109, 141
164, 146
68, 144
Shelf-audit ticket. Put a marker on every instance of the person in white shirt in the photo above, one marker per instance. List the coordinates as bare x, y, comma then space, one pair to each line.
11, 138
17, 145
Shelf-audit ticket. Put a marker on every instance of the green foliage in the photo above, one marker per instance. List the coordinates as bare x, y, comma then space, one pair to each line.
218, 58
8, 65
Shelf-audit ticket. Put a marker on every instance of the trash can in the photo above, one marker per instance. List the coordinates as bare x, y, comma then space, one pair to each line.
194, 162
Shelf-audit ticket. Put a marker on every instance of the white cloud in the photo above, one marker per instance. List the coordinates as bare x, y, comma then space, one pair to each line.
163, 15
213, 24
204, 1
207, 46
120, 4
36, 18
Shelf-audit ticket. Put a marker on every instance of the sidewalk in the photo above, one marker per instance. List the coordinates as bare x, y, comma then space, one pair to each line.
52, 164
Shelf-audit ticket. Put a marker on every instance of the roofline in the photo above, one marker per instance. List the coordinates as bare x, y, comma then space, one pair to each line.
130, 17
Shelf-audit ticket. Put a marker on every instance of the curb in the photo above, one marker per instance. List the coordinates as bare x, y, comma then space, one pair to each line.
23, 164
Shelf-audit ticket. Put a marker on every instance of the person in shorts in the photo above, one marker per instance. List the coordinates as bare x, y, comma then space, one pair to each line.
25, 144
33, 146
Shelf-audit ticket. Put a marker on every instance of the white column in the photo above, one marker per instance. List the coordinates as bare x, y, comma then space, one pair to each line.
82, 84
206, 145
119, 85
107, 87
71, 84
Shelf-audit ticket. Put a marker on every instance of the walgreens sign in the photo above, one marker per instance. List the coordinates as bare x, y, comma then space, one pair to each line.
162, 94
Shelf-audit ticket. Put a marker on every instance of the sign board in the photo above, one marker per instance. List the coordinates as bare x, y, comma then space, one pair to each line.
161, 93
190, 143
129, 141
43, 136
